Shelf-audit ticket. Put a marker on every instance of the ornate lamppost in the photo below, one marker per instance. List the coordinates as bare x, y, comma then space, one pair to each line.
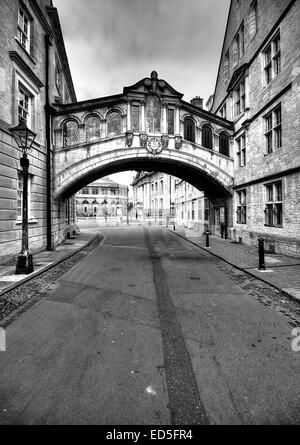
24, 138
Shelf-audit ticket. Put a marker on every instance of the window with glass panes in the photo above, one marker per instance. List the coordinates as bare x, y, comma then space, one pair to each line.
23, 104
273, 131
224, 144
241, 210
240, 97
189, 129
273, 206
241, 150
24, 29
171, 116
70, 133
207, 137
272, 59
92, 128
135, 118
114, 123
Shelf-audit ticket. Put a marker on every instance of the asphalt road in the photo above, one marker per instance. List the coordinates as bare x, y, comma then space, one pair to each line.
148, 329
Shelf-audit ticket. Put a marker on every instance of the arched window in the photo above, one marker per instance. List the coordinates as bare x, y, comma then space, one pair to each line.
70, 133
224, 143
92, 128
189, 129
95, 202
85, 202
153, 113
207, 137
114, 123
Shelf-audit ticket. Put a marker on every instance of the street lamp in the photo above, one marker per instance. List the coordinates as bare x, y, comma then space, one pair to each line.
24, 138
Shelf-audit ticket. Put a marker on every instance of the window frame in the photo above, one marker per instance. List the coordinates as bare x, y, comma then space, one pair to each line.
220, 144
241, 152
24, 36
273, 202
273, 129
241, 208
189, 133
20, 196
207, 137
271, 56
240, 98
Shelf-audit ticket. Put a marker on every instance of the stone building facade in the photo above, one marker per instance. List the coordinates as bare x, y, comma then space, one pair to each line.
258, 89
34, 74
153, 196
103, 198
165, 199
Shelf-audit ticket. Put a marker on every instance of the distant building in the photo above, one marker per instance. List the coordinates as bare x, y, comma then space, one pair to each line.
258, 89
191, 207
162, 198
102, 198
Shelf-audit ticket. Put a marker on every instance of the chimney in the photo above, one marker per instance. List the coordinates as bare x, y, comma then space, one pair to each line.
197, 102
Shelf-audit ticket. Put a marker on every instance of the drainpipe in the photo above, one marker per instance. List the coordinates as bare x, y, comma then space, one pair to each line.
48, 146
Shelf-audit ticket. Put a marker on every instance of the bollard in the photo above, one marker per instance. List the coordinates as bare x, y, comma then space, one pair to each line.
261, 254
207, 239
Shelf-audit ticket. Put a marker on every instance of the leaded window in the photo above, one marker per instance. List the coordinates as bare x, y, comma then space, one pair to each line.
92, 128
241, 211
24, 29
224, 143
241, 152
272, 59
70, 133
114, 123
273, 206
171, 117
189, 129
23, 104
273, 132
153, 113
135, 118
207, 137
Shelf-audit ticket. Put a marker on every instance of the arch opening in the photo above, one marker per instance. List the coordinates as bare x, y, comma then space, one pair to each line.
197, 177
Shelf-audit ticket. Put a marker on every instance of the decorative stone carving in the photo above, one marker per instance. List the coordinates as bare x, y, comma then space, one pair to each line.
129, 138
178, 142
154, 145
165, 140
143, 140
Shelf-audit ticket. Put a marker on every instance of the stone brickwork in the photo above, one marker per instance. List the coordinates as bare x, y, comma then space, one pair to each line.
282, 164
25, 67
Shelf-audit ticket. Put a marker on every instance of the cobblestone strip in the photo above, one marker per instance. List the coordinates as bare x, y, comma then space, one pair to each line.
19, 299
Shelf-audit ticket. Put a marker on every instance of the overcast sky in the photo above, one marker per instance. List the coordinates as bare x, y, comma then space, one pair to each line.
115, 43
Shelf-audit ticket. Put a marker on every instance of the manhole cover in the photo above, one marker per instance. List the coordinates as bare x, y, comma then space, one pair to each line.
195, 278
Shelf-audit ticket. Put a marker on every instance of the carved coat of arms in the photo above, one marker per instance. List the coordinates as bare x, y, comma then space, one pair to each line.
154, 145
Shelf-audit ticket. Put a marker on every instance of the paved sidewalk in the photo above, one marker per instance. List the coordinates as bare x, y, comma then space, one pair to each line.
44, 259
281, 271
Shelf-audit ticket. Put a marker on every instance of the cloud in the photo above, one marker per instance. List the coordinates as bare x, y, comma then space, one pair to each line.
113, 43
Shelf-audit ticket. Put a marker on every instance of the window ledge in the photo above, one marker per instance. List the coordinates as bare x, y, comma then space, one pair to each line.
25, 51
272, 225
30, 221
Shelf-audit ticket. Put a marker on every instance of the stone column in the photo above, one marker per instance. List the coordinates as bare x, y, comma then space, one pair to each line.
164, 117
143, 121
177, 121
128, 115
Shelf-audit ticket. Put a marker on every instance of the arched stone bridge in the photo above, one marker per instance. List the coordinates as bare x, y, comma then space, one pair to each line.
148, 127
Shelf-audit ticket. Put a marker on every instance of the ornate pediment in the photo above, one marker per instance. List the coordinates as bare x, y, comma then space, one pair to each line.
152, 85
